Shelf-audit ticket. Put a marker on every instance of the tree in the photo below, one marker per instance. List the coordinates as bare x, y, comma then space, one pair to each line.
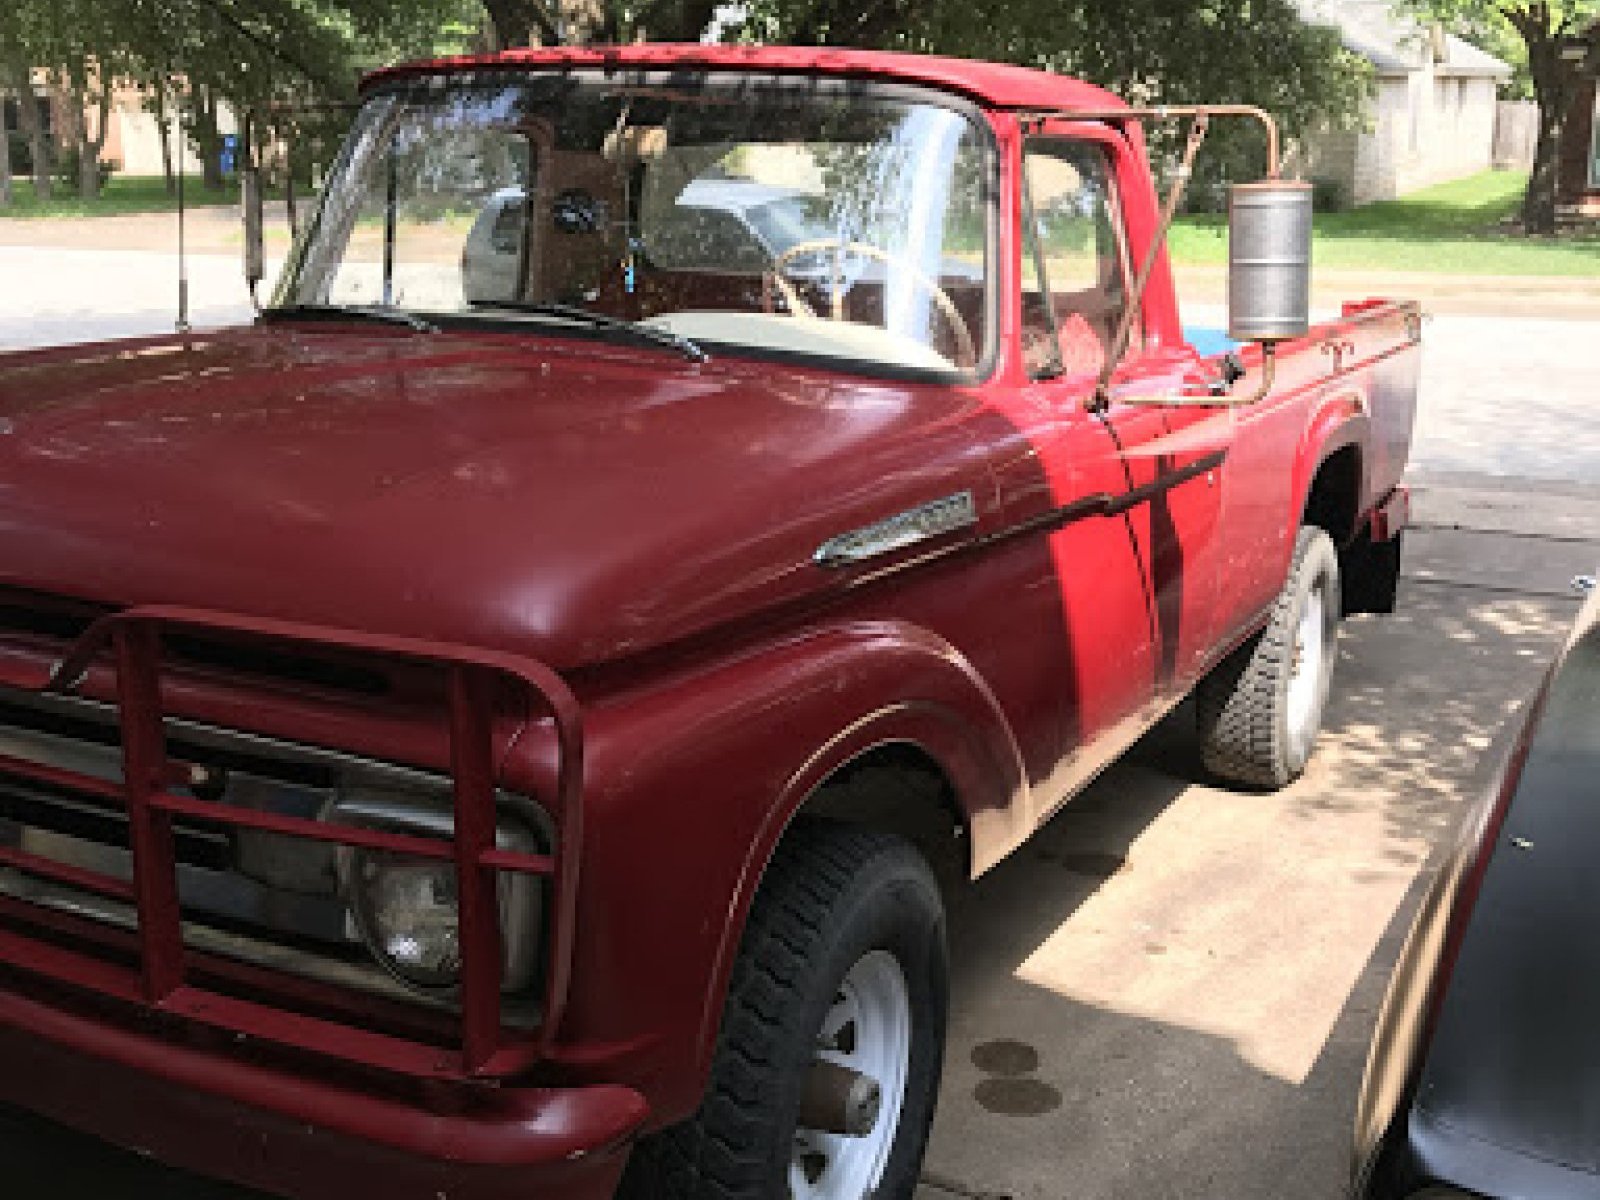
7, 18
89, 56
76, 44
1148, 51
5, 159
158, 105
1545, 28
518, 22
248, 54
576, 22
1259, 51
22, 25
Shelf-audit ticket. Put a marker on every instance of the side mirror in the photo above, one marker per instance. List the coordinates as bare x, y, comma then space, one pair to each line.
1269, 260
254, 256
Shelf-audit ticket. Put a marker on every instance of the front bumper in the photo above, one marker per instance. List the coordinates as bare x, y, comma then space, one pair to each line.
222, 1113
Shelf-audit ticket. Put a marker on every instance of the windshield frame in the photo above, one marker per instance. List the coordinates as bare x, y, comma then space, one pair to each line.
690, 81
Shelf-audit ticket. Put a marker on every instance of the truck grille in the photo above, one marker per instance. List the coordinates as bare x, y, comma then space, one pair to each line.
190, 869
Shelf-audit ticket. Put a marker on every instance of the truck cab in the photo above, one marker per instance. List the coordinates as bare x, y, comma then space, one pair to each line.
504, 723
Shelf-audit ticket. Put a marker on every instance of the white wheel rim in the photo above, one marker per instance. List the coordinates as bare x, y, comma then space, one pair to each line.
868, 1029
1305, 674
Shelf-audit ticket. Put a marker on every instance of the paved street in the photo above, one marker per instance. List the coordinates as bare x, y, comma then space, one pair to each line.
1169, 992
54, 295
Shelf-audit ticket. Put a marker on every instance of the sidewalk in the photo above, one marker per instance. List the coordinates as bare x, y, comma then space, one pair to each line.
208, 229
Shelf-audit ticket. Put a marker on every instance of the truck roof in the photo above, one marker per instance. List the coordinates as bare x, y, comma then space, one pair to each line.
996, 85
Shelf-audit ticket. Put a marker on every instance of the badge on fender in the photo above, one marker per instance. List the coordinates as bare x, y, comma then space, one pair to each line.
899, 531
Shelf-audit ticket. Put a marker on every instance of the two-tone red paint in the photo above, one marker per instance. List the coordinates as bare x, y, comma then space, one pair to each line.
645, 526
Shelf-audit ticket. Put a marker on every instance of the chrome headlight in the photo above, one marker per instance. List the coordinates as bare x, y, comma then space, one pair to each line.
406, 908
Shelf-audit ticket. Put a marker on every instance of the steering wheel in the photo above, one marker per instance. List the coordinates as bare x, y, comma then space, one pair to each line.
965, 347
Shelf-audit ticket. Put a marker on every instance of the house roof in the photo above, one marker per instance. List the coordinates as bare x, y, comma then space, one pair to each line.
1395, 44
996, 84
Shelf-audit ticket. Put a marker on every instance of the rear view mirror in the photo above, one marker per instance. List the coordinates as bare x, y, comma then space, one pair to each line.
254, 257
1269, 260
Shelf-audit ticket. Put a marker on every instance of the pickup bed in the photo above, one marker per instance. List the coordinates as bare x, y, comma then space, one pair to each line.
503, 724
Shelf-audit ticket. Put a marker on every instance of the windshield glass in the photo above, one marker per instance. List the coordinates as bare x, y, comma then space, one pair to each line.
744, 212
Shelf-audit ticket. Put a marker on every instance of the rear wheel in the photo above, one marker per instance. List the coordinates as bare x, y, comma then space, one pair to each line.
1260, 709
827, 1067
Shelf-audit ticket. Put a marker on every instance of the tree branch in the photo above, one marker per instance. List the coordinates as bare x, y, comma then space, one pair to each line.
677, 20
266, 46
514, 20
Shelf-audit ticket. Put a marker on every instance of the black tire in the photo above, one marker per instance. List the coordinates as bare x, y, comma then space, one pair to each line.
1243, 706
832, 895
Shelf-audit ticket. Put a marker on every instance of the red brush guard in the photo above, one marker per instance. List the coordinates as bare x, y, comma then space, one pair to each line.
166, 974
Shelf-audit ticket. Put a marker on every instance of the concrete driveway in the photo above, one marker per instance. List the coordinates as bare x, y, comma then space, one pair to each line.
1169, 992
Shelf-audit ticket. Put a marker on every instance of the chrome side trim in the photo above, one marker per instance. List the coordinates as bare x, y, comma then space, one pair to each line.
919, 524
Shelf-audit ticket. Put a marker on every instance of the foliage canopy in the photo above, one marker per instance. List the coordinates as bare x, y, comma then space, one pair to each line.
1545, 29
248, 53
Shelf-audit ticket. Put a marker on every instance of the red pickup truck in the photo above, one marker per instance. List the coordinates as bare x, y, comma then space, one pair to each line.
501, 724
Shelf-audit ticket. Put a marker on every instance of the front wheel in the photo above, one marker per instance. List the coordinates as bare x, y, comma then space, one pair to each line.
827, 1066
1260, 709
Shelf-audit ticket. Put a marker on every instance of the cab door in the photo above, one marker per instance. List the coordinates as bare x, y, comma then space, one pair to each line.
1134, 559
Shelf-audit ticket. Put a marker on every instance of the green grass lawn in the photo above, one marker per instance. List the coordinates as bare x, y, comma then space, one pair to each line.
122, 194
1454, 228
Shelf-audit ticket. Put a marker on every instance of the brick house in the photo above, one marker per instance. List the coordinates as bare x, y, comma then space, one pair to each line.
1432, 113
1578, 179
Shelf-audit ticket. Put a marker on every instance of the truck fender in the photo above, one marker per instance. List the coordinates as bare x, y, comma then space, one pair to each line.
1339, 420
690, 787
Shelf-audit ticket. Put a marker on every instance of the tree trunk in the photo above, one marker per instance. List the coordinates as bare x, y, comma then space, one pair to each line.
676, 20
33, 129
1539, 201
102, 130
586, 22
162, 119
516, 22
1552, 90
88, 146
5, 137
207, 141
5, 159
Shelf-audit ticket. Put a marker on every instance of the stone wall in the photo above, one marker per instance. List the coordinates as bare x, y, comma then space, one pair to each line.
1422, 128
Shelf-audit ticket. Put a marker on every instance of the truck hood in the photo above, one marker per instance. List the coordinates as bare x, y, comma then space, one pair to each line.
558, 497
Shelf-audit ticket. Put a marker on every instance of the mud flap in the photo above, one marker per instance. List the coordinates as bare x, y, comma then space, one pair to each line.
1369, 575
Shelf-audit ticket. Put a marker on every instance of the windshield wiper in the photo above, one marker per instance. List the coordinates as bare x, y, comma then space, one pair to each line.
366, 312
595, 320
